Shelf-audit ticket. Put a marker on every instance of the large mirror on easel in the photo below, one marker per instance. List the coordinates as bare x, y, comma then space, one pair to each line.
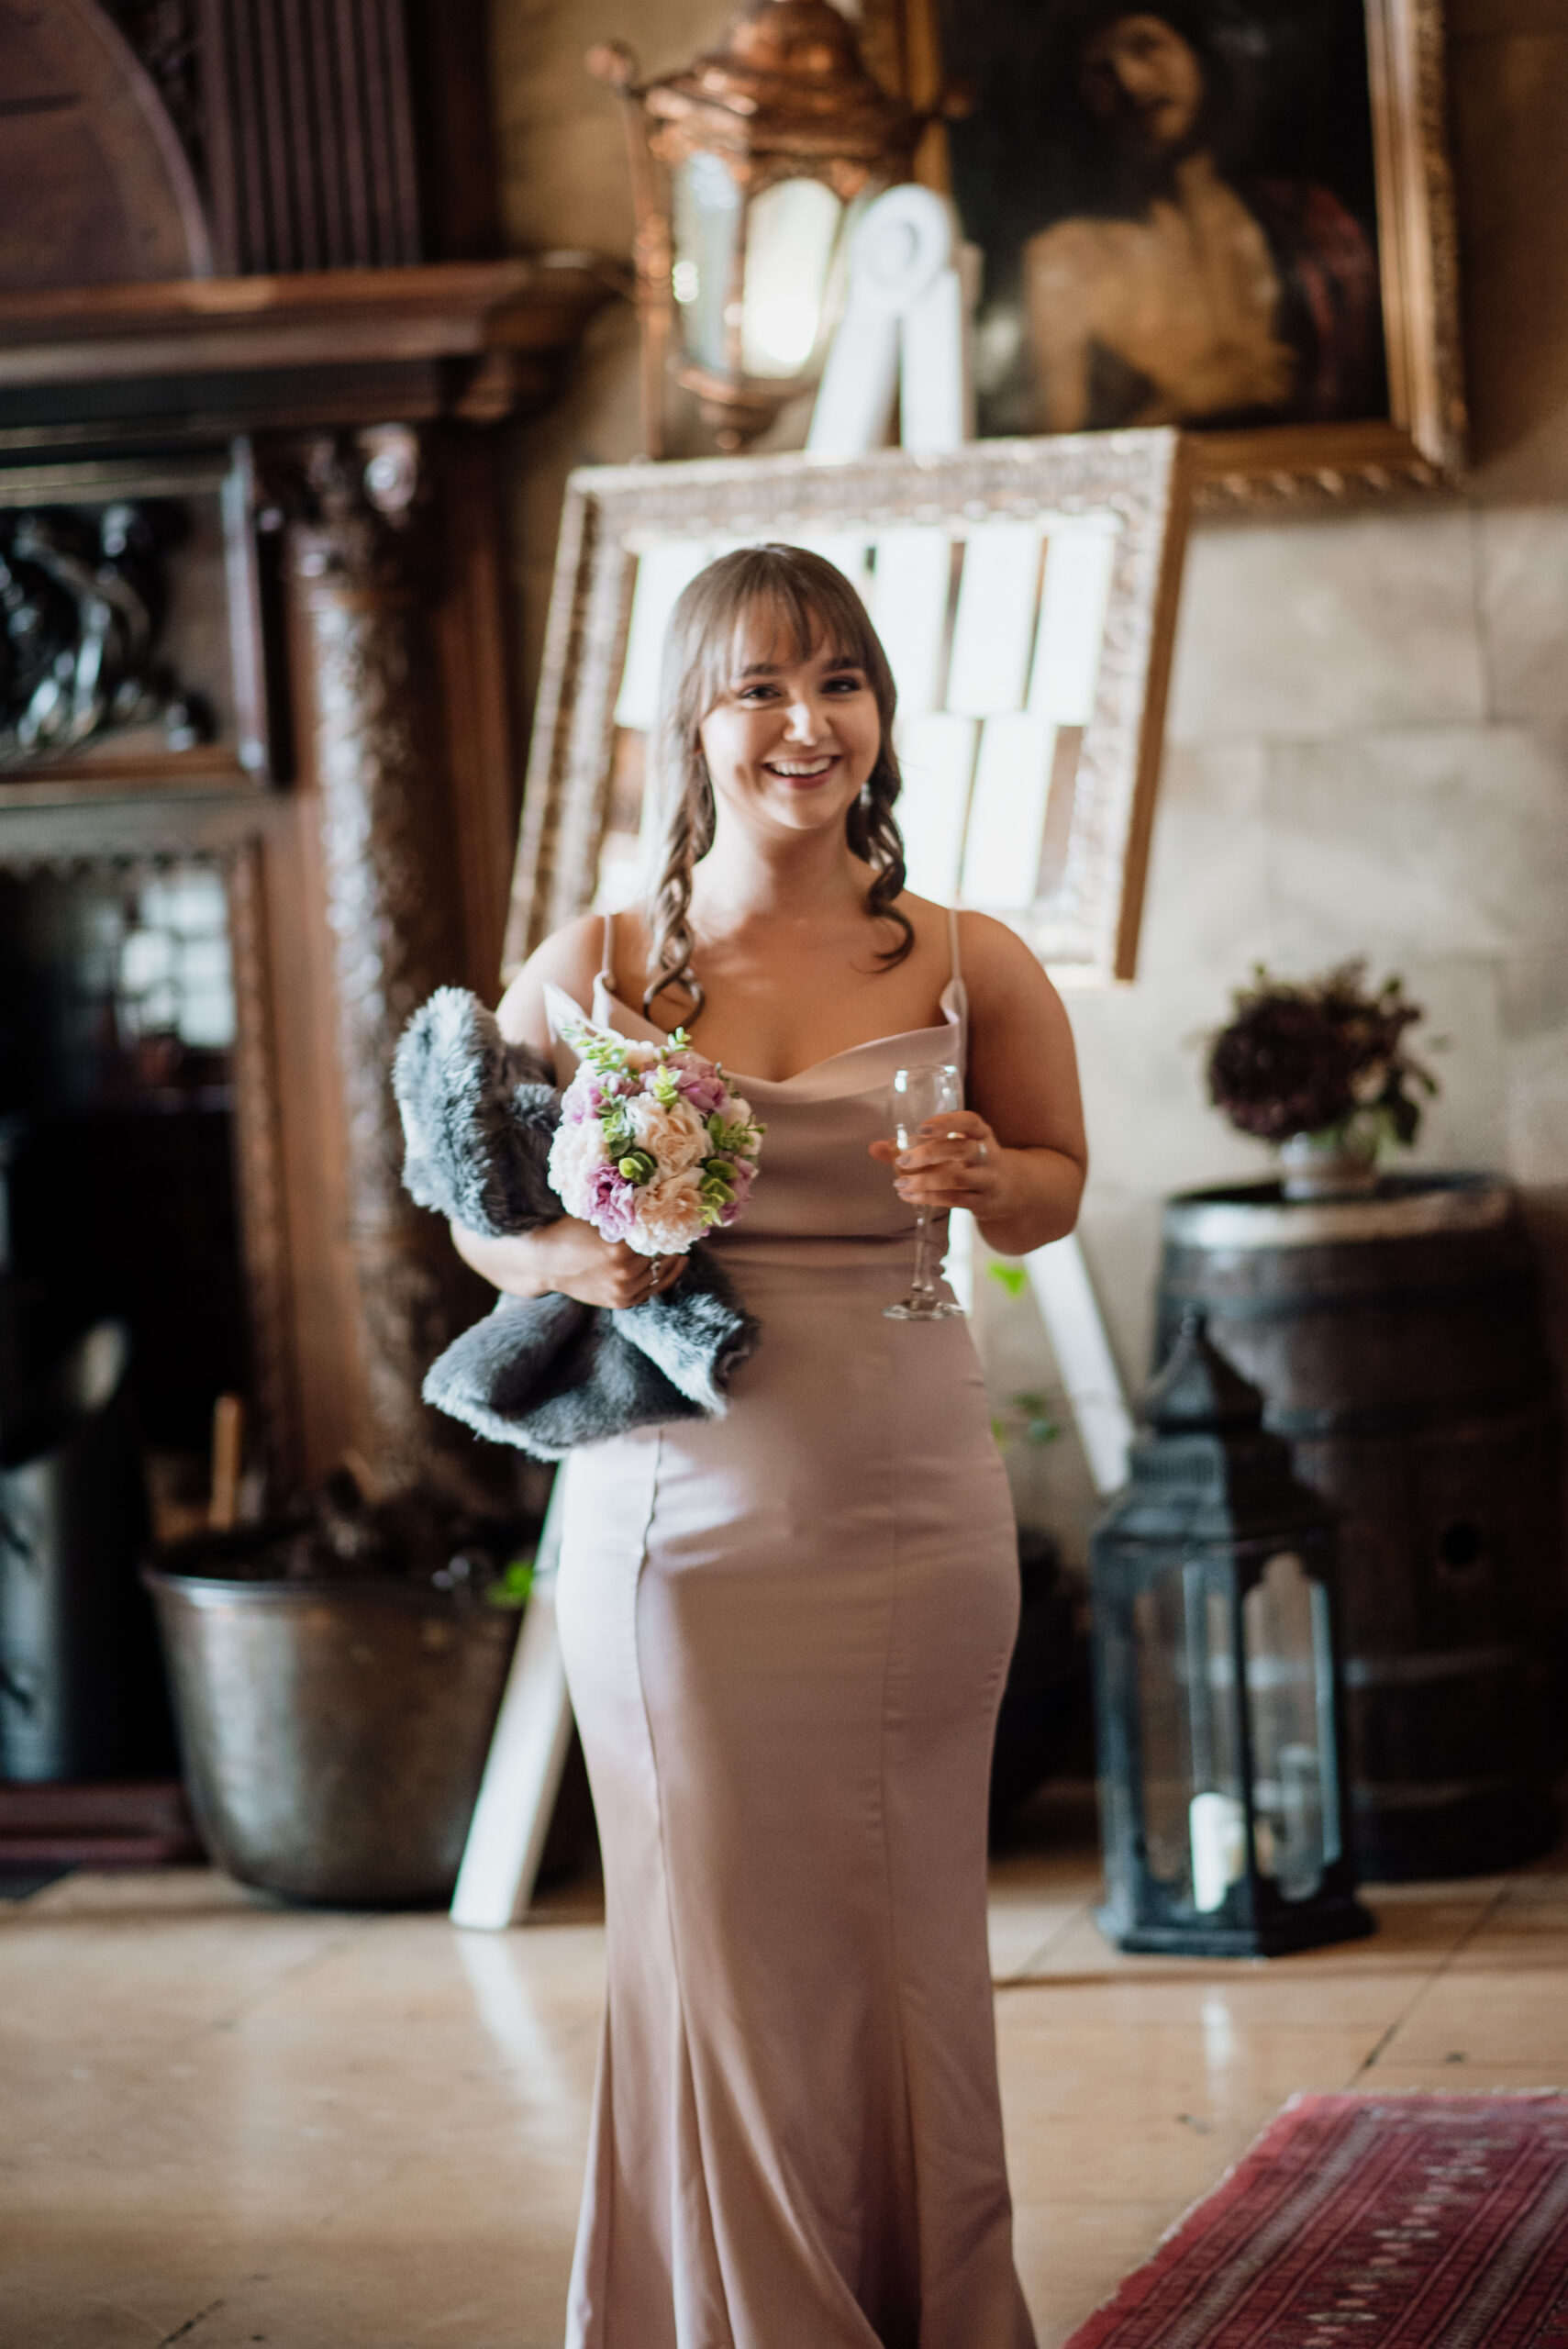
1026, 592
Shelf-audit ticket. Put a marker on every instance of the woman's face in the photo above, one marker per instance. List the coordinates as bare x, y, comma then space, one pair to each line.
791, 739
1139, 77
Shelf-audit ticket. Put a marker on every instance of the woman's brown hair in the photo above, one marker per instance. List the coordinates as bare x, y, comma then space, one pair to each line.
815, 603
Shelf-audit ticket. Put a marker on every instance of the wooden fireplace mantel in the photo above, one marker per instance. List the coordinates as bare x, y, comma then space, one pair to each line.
438, 309
349, 409
472, 341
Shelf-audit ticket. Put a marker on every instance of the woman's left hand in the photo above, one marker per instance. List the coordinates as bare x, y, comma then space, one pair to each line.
956, 1162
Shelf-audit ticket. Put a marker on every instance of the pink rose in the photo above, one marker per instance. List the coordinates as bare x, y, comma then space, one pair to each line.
704, 1092
611, 1205
742, 1174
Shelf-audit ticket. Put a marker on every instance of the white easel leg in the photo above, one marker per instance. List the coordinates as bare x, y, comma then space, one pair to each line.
958, 1265
527, 1754
1060, 1279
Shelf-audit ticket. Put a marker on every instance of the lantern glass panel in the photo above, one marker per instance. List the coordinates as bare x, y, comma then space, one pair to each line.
708, 219
1285, 1620
794, 240
1194, 1819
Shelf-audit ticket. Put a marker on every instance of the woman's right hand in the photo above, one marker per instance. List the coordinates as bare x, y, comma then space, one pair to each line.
568, 1258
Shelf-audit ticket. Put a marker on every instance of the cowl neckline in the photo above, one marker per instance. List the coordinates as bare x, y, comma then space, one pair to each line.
953, 1027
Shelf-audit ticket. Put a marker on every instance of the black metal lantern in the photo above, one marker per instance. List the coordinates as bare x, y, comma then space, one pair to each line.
1222, 1792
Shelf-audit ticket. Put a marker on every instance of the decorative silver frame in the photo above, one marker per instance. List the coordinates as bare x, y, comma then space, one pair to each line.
1087, 932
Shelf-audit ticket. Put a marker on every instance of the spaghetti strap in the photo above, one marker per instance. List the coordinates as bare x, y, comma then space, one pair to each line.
955, 975
607, 960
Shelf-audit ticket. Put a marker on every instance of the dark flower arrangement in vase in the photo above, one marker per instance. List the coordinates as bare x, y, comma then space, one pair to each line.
1321, 1069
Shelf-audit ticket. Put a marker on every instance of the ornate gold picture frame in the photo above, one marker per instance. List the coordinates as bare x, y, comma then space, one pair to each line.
1026, 592
1348, 204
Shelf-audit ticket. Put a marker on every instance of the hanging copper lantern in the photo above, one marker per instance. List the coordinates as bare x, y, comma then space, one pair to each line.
748, 169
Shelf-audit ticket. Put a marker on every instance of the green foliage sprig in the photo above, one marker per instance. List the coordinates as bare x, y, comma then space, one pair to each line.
1028, 1417
1031, 1418
514, 1584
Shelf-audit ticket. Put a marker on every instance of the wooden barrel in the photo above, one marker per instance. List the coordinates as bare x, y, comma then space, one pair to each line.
1398, 1341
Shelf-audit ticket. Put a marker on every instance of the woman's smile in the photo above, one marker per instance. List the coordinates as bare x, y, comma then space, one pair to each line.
803, 770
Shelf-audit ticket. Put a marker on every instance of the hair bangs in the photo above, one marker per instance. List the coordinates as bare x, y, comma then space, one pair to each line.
799, 598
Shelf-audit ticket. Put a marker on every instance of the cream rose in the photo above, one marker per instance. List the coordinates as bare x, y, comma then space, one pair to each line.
675, 1137
575, 1156
669, 1214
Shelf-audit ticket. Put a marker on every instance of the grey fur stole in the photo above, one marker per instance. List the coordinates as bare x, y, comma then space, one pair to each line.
543, 1372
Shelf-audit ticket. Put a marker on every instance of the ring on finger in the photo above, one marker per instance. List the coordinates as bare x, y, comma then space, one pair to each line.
984, 1153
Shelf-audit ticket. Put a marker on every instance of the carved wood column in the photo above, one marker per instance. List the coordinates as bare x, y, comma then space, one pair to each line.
258, 1168
362, 582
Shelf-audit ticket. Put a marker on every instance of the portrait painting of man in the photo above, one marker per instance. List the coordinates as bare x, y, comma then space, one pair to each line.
1177, 207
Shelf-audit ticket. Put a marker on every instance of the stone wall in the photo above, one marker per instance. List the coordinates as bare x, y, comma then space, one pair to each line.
1368, 746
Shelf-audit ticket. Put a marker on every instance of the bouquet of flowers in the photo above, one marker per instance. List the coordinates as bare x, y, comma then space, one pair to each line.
652, 1147
1325, 1056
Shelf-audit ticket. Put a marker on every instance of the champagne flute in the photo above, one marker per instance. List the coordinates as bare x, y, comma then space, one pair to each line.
918, 1094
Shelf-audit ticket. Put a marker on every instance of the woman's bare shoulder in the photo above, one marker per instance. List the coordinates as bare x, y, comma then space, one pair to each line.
993, 959
929, 921
1023, 1066
568, 959
995, 955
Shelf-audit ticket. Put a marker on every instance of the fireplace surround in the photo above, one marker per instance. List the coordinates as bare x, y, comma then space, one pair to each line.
350, 774
252, 529
259, 349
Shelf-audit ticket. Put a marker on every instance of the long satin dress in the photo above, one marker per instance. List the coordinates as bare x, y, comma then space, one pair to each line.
785, 1634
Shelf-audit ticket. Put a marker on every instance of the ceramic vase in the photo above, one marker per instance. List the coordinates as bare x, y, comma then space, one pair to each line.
1327, 1167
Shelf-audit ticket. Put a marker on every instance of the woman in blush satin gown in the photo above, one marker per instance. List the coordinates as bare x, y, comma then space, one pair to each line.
787, 1629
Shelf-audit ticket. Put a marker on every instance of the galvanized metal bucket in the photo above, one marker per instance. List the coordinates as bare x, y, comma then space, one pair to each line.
81, 1687
334, 1733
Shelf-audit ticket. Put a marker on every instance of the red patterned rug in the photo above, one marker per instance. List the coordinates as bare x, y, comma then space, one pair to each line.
1369, 2223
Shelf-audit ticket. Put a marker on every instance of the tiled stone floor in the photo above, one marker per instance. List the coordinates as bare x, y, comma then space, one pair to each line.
228, 2123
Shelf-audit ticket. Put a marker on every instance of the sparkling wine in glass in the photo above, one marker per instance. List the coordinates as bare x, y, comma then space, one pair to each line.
918, 1094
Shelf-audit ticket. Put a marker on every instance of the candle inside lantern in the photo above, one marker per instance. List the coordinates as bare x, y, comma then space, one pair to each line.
1217, 1826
